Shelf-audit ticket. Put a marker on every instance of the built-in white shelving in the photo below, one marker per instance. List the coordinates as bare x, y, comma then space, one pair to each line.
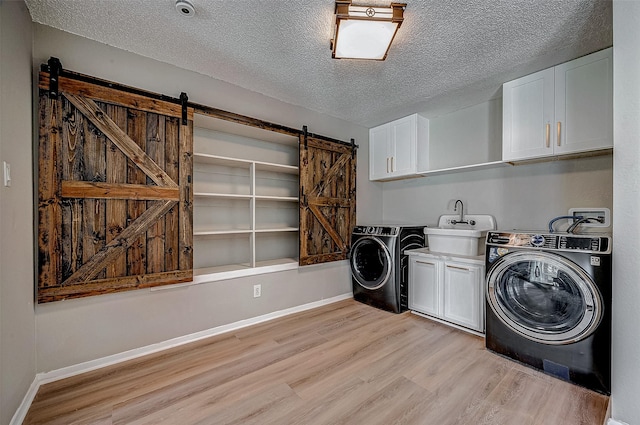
245, 203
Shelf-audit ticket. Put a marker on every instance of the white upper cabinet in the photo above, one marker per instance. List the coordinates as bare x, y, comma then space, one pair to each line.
584, 103
394, 147
527, 114
562, 110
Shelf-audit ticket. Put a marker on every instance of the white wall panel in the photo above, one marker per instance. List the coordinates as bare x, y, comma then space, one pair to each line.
17, 320
519, 197
626, 212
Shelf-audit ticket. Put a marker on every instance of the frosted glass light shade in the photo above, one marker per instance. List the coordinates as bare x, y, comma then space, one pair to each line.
364, 32
364, 39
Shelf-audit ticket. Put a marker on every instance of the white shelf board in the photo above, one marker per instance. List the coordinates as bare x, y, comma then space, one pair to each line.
243, 231
205, 158
232, 271
221, 195
240, 196
278, 168
471, 167
277, 230
277, 198
221, 232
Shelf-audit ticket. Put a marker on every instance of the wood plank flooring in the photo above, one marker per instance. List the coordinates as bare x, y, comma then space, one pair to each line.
345, 363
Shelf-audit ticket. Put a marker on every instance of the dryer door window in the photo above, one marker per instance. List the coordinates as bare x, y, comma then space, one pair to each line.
544, 297
370, 262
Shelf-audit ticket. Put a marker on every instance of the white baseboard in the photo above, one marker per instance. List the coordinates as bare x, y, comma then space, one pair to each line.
614, 422
21, 413
444, 322
69, 371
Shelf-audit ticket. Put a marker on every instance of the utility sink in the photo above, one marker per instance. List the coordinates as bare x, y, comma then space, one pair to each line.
464, 239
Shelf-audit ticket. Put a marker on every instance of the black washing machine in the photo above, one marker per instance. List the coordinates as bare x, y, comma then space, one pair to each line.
379, 269
549, 303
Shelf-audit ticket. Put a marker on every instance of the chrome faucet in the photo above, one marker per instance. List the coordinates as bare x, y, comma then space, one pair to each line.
455, 208
462, 220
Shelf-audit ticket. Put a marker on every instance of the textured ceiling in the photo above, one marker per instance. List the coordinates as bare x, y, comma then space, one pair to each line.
448, 54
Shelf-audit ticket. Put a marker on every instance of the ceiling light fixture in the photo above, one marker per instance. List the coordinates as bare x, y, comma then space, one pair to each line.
365, 32
185, 8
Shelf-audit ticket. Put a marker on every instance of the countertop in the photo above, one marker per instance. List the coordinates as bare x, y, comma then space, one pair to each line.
424, 252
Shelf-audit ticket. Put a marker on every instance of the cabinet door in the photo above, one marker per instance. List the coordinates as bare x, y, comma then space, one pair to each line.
463, 295
403, 146
527, 116
424, 286
583, 103
379, 157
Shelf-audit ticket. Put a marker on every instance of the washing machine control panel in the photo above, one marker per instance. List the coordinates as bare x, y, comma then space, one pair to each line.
376, 230
551, 241
594, 244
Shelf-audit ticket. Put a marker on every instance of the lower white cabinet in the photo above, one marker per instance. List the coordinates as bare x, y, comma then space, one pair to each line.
448, 288
462, 295
425, 290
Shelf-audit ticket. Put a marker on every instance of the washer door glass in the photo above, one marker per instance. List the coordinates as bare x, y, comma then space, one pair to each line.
544, 297
370, 262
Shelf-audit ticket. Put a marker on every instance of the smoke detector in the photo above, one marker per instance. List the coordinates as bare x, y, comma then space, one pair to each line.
185, 8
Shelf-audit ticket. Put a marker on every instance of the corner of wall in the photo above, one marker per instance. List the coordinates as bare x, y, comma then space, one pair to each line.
17, 316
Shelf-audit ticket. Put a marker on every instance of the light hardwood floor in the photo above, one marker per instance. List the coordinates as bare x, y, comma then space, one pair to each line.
345, 363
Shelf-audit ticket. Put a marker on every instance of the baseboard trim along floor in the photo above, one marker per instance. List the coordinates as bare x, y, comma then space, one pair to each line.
67, 372
614, 422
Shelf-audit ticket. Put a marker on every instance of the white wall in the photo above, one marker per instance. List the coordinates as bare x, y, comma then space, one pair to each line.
75, 331
519, 197
626, 202
17, 321
524, 196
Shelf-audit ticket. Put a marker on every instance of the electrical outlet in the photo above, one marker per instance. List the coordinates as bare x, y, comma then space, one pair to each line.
602, 214
257, 291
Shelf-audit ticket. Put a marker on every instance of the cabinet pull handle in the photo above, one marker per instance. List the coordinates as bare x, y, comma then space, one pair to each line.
458, 268
425, 262
548, 135
387, 164
559, 133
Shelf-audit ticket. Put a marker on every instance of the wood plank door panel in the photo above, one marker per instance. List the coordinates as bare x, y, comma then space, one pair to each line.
114, 191
327, 200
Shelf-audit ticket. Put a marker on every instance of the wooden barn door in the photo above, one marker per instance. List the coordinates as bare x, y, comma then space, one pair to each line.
114, 190
327, 200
